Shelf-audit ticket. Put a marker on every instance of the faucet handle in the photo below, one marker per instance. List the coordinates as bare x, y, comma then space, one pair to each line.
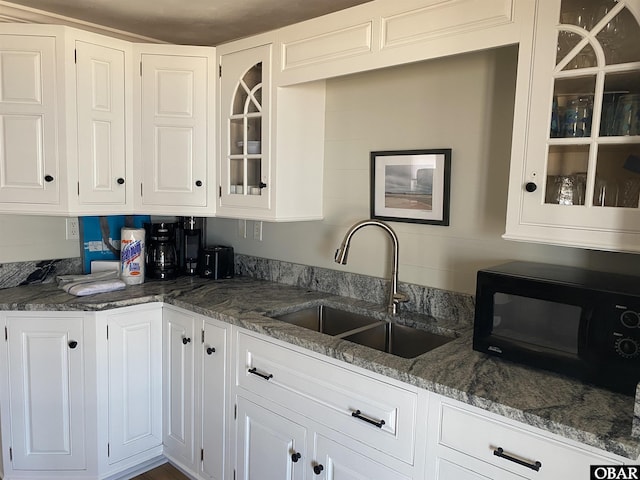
400, 297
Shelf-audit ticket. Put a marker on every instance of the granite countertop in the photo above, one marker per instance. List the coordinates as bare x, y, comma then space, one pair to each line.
554, 403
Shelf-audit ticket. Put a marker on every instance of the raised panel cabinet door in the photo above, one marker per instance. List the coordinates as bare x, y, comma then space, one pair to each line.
174, 130
178, 375
46, 382
332, 461
214, 393
101, 124
29, 169
135, 386
269, 446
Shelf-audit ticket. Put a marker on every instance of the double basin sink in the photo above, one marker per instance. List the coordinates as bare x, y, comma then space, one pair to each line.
393, 338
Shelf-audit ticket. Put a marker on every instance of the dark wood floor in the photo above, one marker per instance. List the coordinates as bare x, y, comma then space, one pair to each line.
163, 472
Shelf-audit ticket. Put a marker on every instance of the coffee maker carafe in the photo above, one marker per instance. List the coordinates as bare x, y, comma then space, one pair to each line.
162, 260
191, 244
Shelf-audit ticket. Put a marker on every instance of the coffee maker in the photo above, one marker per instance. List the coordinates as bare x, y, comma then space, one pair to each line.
161, 256
191, 244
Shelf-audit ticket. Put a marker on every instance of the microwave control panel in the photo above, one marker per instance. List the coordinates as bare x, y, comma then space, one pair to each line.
626, 332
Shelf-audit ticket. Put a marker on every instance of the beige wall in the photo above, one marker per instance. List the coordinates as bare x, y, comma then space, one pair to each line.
463, 102
27, 237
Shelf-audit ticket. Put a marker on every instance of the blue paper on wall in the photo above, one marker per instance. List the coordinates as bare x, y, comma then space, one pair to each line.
100, 236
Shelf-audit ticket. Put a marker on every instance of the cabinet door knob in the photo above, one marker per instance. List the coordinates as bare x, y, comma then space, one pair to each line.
73, 344
120, 181
48, 178
198, 183
210, 350
530, 187
317, 469
262, 185
295, 457
186, 340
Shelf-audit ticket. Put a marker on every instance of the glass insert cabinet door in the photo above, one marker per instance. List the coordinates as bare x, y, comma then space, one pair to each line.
583, 161
245, 120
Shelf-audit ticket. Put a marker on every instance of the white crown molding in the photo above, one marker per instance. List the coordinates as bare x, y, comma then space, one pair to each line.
13, 13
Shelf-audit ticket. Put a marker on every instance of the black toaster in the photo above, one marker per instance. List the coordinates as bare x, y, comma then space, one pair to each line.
216, 262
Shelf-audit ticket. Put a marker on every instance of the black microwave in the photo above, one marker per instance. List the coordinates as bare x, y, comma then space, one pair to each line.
576, 322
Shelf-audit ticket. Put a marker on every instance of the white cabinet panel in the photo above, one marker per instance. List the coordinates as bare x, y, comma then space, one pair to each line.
333, 461
100, 78
135, 394
437, 19
174, 130
214, 395
29, 171
46, 383
268, 444
178, 376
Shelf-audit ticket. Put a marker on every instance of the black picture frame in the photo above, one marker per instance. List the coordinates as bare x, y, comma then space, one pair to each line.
411, 185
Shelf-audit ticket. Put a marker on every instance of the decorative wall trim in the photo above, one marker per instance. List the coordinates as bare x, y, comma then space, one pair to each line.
354, 40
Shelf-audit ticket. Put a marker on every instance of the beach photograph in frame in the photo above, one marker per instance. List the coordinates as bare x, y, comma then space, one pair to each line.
411, 185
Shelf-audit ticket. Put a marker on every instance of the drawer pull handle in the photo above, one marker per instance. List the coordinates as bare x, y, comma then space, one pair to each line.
255, 371
295, 457
499, 452
358, 414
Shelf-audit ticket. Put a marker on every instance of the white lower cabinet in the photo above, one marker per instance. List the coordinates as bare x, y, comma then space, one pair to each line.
179, 382
129, 368
195, 359
269, 445
213, 398
334, 461
300, 416
469, 443
86, 396
45, 399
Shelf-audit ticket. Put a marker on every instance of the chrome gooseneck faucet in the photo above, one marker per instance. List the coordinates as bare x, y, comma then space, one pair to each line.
395, 297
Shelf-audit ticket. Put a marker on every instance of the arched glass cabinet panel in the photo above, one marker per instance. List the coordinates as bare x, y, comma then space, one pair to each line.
245, 134
593, 148
245, 119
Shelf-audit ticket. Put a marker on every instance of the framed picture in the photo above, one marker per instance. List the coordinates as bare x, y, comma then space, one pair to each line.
411, 186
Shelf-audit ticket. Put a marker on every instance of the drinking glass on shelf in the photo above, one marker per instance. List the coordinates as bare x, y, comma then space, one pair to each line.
606, 193
627, 118
576, 120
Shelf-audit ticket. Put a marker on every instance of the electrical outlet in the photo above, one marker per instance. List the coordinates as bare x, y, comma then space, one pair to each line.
73, 229
257, 231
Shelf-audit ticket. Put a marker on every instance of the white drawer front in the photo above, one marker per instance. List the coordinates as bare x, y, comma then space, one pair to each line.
330, 395
479, 437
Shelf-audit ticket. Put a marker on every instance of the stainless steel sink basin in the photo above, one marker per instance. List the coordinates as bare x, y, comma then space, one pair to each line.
327, 320
400, 340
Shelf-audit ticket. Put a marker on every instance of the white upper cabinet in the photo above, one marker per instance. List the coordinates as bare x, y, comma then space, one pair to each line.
271, 139
30, 172
245, 105
103, 170
575, 172
174, 155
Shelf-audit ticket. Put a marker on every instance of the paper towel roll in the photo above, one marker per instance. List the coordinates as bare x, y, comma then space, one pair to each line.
132, 255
